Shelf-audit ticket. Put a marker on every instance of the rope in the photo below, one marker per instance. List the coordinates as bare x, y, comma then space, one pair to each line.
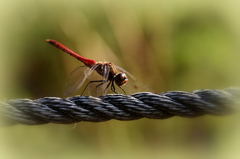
120, 107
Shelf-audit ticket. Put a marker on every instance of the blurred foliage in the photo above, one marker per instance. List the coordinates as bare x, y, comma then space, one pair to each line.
167, 45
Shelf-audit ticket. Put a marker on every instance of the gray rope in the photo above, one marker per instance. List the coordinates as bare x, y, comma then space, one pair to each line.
119, 107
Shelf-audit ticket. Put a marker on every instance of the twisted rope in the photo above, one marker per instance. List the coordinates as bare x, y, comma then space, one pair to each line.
120, 107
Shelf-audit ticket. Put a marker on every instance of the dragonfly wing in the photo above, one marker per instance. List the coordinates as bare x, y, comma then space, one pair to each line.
77, 78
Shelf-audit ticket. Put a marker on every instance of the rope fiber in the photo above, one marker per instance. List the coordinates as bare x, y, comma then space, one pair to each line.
120, 107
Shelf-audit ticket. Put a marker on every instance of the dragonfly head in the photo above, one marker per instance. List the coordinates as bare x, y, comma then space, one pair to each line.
120, 79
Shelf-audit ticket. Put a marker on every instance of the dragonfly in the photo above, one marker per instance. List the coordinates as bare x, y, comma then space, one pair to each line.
111, 74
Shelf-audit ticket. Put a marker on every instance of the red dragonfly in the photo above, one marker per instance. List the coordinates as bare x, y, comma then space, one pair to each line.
110, 73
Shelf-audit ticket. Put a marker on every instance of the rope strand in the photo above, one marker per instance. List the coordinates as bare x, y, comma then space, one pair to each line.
120, 107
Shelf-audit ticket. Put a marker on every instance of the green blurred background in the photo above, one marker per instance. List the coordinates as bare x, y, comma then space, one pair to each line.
168, 45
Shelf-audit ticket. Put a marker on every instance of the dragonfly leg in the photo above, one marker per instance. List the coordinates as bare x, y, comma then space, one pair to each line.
103, 81
122, 90
113, 87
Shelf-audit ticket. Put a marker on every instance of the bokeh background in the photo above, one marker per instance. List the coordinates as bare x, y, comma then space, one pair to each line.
168, 45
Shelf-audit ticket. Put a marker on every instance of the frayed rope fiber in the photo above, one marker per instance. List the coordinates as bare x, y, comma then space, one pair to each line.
120, 107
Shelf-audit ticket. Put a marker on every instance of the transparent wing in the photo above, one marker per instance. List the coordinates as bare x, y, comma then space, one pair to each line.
133, 85
77, 78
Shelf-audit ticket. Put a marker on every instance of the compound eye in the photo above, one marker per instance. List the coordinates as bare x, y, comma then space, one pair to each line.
120, 79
